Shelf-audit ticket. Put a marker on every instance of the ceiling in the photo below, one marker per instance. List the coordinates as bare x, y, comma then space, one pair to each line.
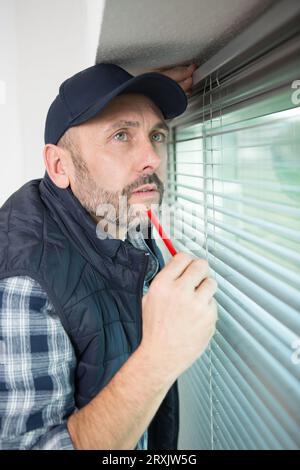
140, 35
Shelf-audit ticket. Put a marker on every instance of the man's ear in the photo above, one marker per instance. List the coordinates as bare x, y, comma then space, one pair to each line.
55, 159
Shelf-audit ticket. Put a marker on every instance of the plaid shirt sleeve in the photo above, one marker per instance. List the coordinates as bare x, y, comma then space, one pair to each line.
37, 364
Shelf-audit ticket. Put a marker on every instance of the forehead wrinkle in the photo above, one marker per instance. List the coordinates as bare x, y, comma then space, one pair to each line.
122, 122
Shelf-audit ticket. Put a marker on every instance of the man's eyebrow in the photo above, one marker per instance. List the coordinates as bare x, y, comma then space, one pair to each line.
158, 125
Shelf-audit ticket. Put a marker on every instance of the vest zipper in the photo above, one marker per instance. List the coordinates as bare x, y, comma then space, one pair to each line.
155, 259
141, 297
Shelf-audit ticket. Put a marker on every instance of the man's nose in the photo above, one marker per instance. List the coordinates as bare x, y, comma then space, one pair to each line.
148, 157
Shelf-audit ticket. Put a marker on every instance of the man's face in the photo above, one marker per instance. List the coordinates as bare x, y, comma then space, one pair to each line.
116, 152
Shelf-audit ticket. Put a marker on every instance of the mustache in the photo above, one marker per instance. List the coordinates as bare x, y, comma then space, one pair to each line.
148, 179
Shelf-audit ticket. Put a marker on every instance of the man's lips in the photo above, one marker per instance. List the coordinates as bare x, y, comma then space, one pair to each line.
146, 189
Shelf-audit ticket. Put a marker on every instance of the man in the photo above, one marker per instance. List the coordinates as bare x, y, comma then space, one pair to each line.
87, 360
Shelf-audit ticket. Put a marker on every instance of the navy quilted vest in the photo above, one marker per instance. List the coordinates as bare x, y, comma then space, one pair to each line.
95, 286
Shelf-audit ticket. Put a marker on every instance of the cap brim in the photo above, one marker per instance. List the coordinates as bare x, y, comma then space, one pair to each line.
164, 92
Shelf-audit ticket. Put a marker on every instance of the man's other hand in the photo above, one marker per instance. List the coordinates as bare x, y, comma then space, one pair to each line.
182, 74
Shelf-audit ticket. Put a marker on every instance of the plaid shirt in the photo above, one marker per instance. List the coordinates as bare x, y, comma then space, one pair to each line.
37, 364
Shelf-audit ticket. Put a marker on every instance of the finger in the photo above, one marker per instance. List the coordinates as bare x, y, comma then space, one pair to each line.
175, 267
196, 272
212, 333
206, 290
179, 73
186, 84
213, 308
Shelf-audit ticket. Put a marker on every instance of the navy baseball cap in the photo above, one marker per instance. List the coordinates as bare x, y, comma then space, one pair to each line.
86, 93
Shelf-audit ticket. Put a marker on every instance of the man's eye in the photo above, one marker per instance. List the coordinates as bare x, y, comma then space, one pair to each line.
120, 133
162, 135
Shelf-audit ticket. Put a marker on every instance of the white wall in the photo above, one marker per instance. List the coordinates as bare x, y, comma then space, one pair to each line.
41, 44
11, 163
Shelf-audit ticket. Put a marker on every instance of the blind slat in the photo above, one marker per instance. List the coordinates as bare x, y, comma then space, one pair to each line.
285, 314
234, 381
271, 434
269, 369
271, 186
260, 398
196, 382
261, 334
285, 232
260, 260
268, 206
